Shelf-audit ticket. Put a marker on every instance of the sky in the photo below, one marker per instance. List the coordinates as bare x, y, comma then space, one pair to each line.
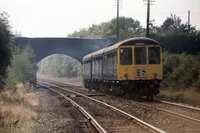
58, 18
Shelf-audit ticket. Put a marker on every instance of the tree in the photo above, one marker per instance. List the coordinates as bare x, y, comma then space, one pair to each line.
23, 67
174, 24
94, 31
17, 34
128, 27
68, 66
5, 46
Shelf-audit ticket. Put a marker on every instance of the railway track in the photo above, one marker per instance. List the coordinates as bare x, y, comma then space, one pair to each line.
105, 120
179, 110
155, 104
180, 105
187, 115
162, 108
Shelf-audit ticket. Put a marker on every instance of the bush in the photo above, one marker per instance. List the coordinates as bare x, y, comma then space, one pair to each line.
23, 68
181, 70
5, 46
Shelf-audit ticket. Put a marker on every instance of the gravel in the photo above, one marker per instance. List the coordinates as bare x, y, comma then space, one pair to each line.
179, 110
56, 115
108, 119
157, 118
111, 121
154, 117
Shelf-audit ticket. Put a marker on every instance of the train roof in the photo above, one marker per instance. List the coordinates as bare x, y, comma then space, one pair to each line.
99, 52
133, 41
88, 56
130, 41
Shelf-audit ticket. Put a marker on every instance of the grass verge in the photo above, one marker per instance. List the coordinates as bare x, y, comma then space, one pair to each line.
188, 96
16, 112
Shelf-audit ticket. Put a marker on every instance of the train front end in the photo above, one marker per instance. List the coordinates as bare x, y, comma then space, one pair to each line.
140, 66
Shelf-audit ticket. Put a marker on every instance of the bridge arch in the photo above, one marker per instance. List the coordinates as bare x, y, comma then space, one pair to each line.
74, 47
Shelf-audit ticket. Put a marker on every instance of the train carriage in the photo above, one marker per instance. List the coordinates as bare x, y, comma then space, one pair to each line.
129, 66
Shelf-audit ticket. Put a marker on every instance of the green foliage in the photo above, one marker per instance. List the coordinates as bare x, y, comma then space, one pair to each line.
95, 31
172, 26
23, 67
171, 23
128, 28
60, 65
179, 42
181, 70
175, 37
79, 70
5, 46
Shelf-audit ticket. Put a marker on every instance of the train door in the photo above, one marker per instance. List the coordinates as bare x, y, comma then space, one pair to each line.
125, 63
140, 63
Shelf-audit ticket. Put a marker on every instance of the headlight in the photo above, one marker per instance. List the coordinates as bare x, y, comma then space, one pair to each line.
126, 75
155, 75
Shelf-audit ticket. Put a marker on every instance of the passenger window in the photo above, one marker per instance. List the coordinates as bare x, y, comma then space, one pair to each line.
140, 55
126, 56
154, 55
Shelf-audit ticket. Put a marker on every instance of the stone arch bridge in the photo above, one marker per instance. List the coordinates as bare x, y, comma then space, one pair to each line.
74, 47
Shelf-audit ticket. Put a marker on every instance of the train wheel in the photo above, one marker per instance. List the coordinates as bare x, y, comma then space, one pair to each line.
117, 90
113, 89
150, 97
89, 86
137, 96
108, 88
150, 93
128, 96
101, 87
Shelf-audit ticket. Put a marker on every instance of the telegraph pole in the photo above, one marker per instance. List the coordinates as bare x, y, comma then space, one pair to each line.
148, 16
189, 20
117, 26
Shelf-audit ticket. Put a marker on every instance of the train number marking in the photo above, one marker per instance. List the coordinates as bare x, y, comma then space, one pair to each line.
138, 72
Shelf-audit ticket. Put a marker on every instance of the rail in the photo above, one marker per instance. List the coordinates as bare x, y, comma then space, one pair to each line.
140, 122
99, 128
148, 106
179, 105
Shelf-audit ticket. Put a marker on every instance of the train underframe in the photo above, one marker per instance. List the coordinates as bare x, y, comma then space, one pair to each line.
137, 88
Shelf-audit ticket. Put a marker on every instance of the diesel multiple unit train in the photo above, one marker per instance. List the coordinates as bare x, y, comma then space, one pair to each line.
132, 66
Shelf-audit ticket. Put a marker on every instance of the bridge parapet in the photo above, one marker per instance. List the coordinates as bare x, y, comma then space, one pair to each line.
74, 47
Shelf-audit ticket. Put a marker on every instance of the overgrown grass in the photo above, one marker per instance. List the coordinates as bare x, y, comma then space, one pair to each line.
181, 81
189, 96
16, 112
18, 97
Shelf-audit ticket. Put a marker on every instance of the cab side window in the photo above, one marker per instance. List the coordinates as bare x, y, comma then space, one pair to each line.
126, 56
154, 55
